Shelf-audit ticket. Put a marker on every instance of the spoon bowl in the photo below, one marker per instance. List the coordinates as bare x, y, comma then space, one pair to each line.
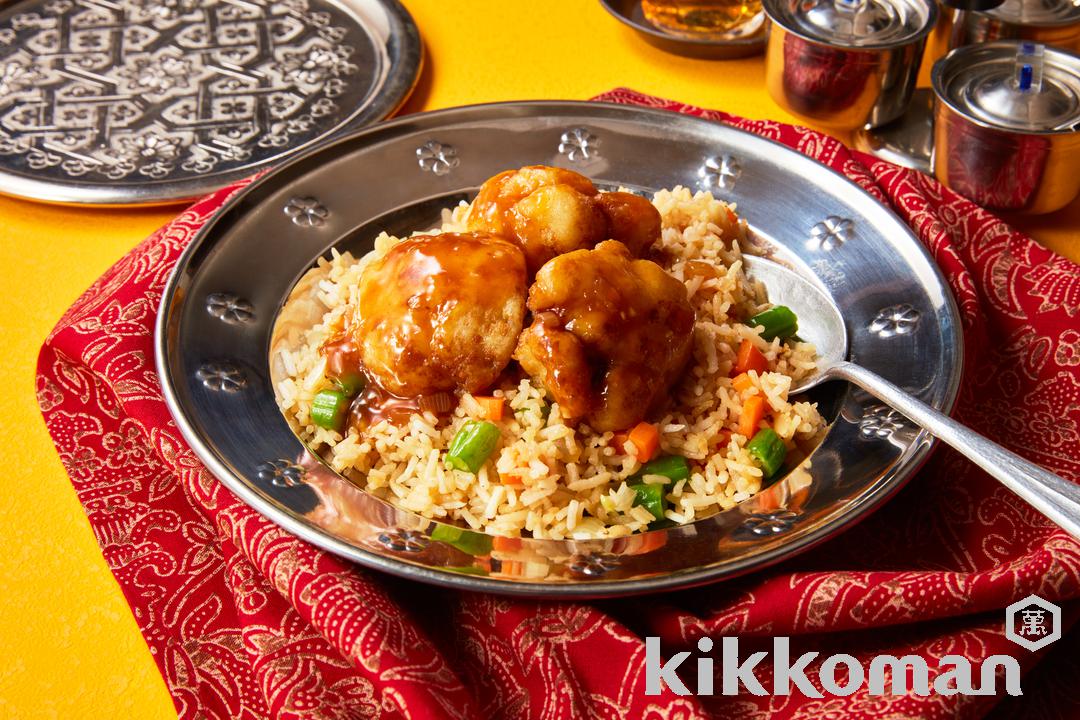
821, 323
820, 320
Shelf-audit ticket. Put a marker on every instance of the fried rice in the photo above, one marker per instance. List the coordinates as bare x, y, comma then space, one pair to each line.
573, 480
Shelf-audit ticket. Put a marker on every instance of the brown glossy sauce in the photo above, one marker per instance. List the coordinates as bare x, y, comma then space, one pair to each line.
549, 323
546, 343
373, 404
342, 356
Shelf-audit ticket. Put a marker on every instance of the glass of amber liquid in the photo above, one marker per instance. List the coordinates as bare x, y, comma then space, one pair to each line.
720, 19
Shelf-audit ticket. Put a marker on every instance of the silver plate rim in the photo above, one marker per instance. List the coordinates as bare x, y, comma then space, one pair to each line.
915, 457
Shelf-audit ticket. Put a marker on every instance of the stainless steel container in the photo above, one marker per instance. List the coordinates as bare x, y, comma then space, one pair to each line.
846, 64
1053, 22
1007, 125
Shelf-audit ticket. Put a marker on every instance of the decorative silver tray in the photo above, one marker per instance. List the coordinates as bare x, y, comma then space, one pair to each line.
220, 307
156, 101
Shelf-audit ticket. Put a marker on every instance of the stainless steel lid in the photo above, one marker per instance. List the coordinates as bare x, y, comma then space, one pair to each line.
1011, 85
1038, 13
155, 101
861, 24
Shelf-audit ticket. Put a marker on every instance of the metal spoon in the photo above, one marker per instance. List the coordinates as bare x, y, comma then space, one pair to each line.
821, 323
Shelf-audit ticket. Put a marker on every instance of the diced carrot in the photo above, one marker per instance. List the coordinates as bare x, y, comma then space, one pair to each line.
731, 217
749, 358
753, 411
512, 568
619, 440
491, 408
742, 382
646, 439
505, 544
506, 479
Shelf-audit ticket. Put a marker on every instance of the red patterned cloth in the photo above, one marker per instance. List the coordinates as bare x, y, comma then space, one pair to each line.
246, 621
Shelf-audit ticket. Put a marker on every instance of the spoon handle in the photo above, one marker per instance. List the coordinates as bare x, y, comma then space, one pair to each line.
1054, 497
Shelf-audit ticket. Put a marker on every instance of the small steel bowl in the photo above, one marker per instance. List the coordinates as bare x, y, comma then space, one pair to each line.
845, 81
629, 13
1053, 22
986, 150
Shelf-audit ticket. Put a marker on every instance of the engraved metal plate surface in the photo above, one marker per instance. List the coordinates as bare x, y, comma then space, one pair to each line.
272, 232
151, 101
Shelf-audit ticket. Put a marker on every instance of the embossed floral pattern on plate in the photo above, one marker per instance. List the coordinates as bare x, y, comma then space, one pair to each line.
720, 172
221, 376
437, 157
402, 540
281, 473
831, 233
579, 144
594, 564
880, 422
306, 212
766, 524
229, 308
895, 320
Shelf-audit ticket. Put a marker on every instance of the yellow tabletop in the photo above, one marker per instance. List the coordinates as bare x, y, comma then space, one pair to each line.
72, 648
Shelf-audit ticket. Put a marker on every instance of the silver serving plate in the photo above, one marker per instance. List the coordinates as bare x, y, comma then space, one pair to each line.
159, 101
222, 304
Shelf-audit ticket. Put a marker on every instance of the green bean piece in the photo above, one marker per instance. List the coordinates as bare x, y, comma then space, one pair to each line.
472, 446
328, 409
467, 541
768, 449
779, 322
351, 383
673, 467
651, 497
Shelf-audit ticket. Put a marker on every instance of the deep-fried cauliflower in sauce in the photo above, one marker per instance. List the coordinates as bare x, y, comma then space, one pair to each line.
610, 335
440, 312
632, 220
550, 211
